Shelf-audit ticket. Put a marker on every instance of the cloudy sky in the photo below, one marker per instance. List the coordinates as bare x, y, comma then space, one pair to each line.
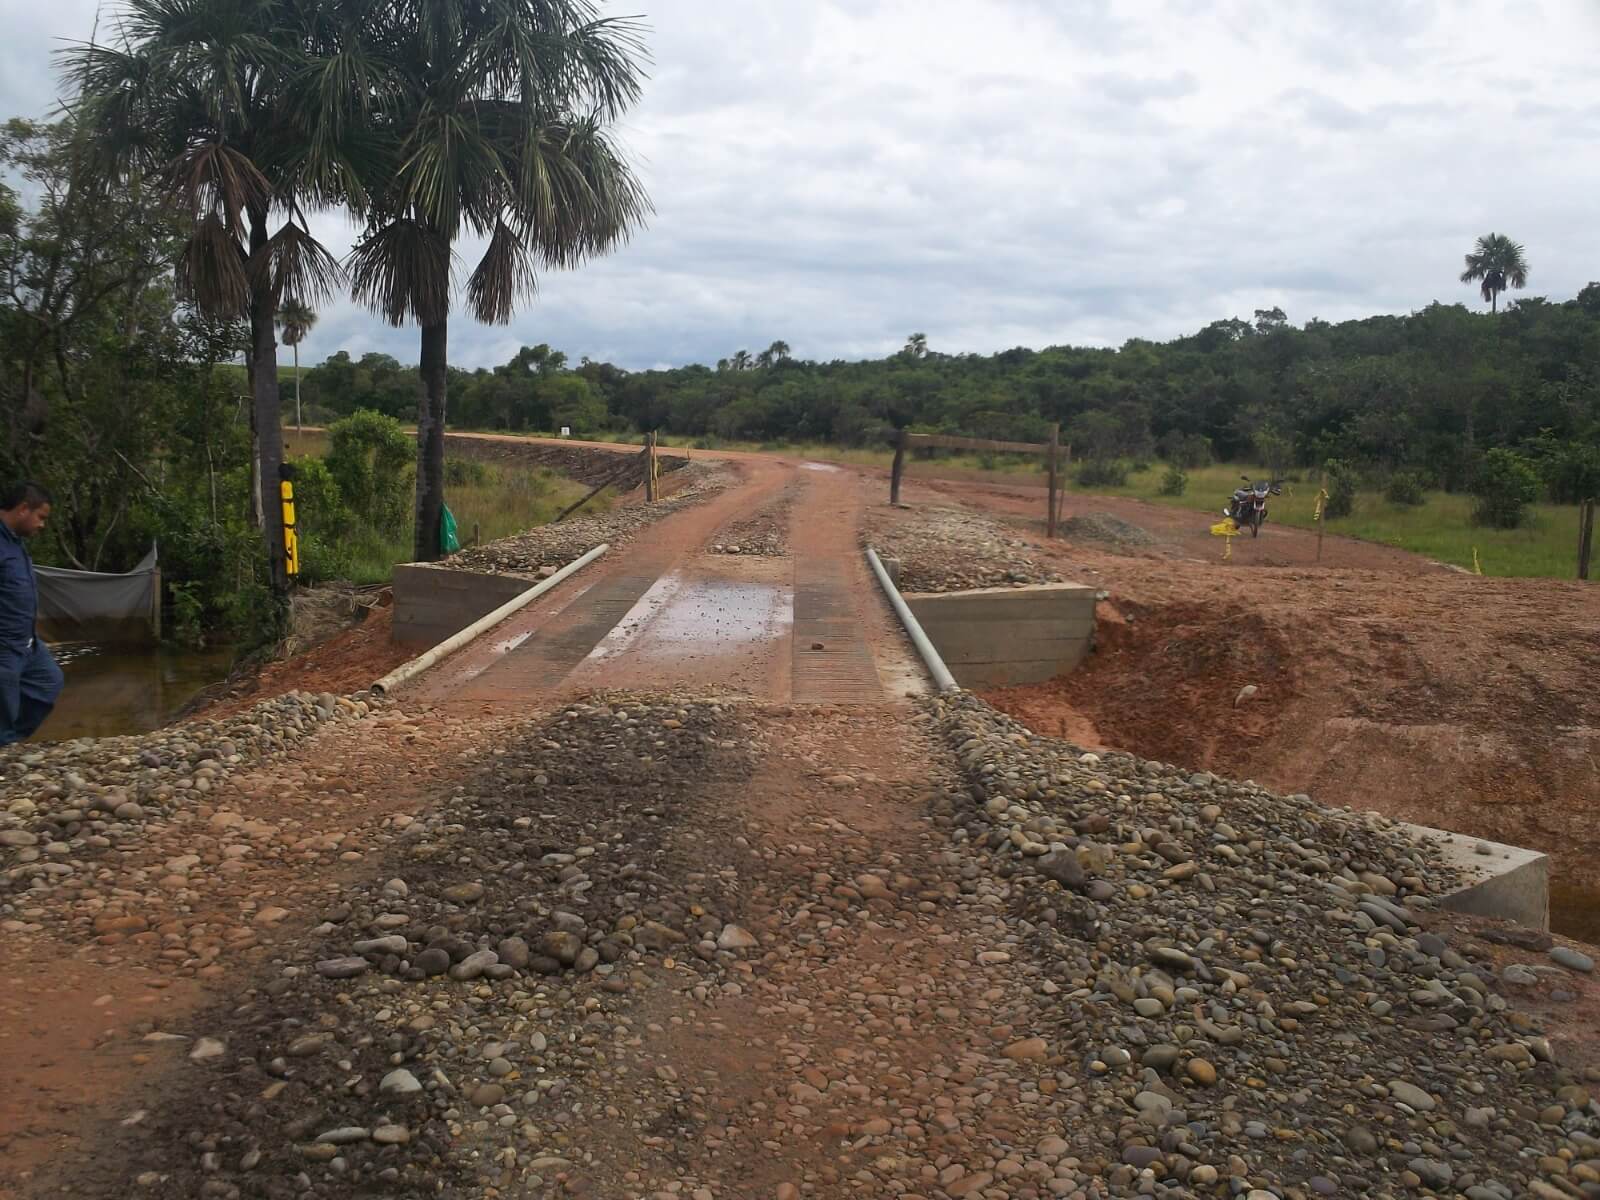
1034, 172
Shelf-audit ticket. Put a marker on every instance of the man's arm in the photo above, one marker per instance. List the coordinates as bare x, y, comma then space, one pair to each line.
17, 604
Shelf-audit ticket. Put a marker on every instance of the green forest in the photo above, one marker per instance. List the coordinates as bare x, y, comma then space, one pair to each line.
1427, 394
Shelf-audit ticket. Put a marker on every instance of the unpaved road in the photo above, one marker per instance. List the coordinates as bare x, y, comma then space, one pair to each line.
746, 938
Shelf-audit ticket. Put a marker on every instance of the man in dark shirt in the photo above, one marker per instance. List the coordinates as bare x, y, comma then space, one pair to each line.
30, 680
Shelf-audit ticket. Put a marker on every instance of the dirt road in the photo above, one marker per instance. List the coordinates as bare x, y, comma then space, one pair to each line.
666, 890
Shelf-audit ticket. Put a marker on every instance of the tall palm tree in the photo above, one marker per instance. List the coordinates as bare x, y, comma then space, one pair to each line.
916, 346
778, 351
238, 110
502, 129
295, 320
741, 360
1495, 264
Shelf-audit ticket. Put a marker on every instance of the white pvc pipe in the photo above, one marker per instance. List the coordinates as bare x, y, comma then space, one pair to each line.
942, 678
457, 640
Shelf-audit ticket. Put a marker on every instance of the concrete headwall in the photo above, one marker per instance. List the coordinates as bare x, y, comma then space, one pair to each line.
992, 637
431, 603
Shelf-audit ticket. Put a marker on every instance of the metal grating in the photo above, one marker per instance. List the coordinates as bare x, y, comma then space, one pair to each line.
824, 614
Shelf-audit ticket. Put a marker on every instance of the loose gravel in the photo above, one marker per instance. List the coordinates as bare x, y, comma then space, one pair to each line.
950, 550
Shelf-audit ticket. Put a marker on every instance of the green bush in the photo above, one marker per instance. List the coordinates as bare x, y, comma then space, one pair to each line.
1571, 470
1102, 472
465, 472
1174, 482
370, 457
1186, 450
1404, 488
1506, 484
1342, 489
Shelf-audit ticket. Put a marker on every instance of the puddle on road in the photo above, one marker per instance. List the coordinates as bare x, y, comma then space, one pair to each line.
119, 689
820, 466
686, 617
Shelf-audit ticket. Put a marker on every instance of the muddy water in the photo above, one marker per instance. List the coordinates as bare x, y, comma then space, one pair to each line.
1575, 911
125, 689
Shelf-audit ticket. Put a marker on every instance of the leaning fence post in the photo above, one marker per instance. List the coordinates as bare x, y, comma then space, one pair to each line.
1585, 536
1055, 445
899, 468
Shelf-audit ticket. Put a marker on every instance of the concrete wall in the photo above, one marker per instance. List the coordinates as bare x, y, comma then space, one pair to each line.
998, 636
1508, 882
431, 603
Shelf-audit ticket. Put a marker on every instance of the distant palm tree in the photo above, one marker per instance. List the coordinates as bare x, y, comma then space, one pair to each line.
917, 346
741, 360
1495, 264
778, 351
295, 320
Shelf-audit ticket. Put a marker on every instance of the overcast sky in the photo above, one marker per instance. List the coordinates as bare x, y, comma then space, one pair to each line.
1033, 172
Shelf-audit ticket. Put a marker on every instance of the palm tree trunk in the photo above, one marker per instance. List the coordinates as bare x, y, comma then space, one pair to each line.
267, 409
297, 387
430, 442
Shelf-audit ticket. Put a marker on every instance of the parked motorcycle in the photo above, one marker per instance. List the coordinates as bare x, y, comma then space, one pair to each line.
1248, 507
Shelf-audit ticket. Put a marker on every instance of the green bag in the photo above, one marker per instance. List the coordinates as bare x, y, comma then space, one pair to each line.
448, 542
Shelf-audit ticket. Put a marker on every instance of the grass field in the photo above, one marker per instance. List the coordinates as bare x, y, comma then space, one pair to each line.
1440, 529
502, 501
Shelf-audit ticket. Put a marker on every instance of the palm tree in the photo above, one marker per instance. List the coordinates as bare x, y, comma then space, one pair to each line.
778, 351
1495, 264
295, 320
207, 99
916, 346
741, 360
502, 129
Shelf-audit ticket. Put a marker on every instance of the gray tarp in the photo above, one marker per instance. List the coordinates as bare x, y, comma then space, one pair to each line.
89, 605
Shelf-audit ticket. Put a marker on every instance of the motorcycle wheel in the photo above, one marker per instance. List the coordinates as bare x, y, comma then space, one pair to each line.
1255, 525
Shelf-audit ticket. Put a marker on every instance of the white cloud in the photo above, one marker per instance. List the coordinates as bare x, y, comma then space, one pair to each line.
1002, 172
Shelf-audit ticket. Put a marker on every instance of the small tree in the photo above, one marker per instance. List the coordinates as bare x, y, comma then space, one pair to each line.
1506, 484
1495, 264
367, 457
1174, 482
1404, 488
1342, 489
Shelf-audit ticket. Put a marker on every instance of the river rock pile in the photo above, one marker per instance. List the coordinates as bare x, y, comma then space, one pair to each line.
432, 1024
66, 801
948, 550
550, 547
1247, 997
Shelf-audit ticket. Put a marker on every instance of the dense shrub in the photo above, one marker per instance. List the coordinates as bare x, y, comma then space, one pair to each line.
1342, 487
1571, 470
1102, 472
1174, 482
466, 472
370, 457
1404, 488
1506, 484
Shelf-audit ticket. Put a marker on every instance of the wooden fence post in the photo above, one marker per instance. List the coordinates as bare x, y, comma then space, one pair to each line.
1585, 536
650, 467
1055, 446
899, 468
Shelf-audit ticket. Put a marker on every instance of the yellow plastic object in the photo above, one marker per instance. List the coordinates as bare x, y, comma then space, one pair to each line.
291, 539
1228, 528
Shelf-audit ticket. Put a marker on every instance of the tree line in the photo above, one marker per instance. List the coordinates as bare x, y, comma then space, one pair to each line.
1427, 393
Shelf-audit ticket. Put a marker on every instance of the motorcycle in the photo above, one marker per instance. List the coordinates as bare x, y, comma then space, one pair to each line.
1248, 508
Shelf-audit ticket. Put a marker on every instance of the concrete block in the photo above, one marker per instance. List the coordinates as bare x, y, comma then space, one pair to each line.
1508, 882
993, 637
433, 602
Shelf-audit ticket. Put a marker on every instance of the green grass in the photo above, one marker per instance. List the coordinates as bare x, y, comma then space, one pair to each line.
505, 502
1441, 528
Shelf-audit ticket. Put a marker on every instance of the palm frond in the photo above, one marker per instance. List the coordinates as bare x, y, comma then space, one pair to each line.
298, 268
211, 269
402, 270
214, 176
503, 274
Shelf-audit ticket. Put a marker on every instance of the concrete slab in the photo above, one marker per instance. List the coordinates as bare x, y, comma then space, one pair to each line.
993, 637
1502, 881
433, 602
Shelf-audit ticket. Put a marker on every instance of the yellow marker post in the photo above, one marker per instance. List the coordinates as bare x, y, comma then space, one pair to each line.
291, 539
1228, 529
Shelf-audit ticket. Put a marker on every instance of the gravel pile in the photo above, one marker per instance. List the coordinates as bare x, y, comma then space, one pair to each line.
1248, 997
423, 1040
763, 533
948, 550
1107, 530
66, 802
551, 547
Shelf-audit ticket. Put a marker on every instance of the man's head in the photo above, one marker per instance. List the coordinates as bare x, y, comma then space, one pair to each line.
25, 507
